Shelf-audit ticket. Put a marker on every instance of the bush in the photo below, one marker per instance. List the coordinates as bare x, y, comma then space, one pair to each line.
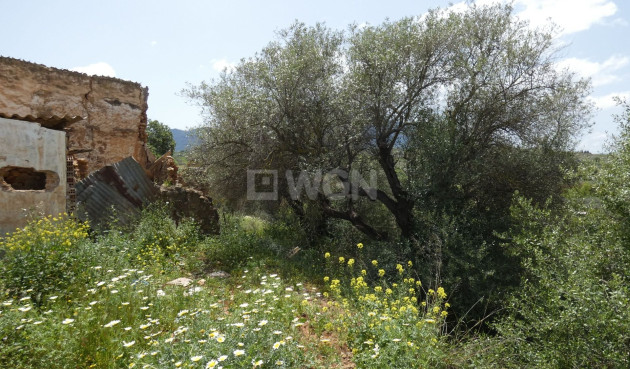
463, 253
390, 320
158, 240
235, 246
572, 307
44, 257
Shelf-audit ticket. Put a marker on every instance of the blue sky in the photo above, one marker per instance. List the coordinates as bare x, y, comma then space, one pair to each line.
166, 44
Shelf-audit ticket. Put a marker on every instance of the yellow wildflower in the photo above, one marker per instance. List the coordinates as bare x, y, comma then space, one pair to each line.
399, 268
441, 293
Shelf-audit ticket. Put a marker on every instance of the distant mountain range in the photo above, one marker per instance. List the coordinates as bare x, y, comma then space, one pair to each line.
183, 139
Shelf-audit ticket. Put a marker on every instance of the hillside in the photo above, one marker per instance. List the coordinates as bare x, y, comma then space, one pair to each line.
183, 138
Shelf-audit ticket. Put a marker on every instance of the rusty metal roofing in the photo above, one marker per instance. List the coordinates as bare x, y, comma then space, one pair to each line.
115, 192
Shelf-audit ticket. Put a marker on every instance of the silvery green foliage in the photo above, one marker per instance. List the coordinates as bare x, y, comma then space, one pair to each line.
319, 99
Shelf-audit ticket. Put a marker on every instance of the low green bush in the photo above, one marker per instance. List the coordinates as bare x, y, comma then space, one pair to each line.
385, 314
235, 246
45, 257
159, 240
571, 309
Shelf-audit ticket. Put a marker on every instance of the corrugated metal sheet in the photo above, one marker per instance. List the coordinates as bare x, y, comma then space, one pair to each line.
116, 191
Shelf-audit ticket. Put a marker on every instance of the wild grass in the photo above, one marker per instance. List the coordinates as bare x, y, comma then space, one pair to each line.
102, 301
76, 298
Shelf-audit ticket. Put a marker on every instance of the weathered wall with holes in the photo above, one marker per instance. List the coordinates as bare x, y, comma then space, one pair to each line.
29, 154
105, 118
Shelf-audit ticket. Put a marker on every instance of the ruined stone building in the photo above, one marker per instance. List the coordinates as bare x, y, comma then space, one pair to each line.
52, 119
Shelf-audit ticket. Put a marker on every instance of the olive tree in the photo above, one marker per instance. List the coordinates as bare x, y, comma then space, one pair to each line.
447, 103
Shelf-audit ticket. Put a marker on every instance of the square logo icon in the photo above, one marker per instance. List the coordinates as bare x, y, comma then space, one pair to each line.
262, 185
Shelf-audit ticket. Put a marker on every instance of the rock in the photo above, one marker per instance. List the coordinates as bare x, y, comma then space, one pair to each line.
183, 281
163, 170
219, 274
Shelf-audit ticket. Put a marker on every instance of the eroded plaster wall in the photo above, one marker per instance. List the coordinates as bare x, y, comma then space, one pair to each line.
105, 118
30, 157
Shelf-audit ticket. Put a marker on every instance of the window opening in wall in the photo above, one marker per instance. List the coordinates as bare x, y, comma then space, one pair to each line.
27, 179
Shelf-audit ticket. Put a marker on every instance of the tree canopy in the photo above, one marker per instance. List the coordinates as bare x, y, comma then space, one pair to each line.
457, 103
160, 138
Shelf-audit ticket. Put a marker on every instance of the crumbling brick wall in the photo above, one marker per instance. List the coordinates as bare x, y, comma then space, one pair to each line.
104, 118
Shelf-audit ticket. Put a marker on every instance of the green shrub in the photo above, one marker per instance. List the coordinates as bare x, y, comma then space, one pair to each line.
235, 246
44, 257
571, 309
388, 318
158, 240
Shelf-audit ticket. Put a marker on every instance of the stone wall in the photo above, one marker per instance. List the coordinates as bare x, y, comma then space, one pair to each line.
32, 172
105, 118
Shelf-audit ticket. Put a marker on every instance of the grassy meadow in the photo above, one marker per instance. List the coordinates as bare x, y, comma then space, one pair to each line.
76, 299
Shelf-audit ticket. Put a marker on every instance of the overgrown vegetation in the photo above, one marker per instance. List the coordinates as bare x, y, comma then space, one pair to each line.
517, 255
572, 308
333, 304
450, 113
108, 304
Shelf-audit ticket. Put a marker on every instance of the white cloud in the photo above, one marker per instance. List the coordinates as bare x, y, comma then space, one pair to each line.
570, 15
98, 69
221, 64
607, 101
601, 73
